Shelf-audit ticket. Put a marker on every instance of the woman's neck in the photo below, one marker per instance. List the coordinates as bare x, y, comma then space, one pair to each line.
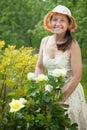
59, 38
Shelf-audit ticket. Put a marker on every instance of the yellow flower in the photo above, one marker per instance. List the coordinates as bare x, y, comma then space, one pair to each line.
16, 105
41, 77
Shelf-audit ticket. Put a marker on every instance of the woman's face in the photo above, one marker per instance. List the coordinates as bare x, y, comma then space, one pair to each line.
59, 23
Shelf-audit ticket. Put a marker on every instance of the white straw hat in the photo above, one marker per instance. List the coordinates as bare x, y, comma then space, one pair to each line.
61, 10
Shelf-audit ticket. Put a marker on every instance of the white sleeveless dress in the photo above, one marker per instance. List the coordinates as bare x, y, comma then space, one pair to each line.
77, 106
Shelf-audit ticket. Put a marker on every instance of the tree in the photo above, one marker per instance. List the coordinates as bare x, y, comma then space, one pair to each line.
16, 19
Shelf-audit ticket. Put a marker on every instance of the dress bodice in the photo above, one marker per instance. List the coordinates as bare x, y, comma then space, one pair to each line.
61, 62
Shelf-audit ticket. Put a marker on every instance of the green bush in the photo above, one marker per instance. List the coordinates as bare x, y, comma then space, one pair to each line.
84, 79
39, 107
14, 66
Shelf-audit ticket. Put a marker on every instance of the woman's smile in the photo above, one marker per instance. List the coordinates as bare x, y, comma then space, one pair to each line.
58, 27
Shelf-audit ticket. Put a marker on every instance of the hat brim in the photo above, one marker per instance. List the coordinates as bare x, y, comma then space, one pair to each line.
73, 25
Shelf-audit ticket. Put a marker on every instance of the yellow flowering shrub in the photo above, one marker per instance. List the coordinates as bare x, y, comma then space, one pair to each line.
14, 66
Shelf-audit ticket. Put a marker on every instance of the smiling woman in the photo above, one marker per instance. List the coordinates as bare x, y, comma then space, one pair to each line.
59, 24
62, 51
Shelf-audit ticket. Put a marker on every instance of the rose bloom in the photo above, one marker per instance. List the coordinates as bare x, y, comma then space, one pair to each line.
23, 101
41, 77
59, 72
48, 88
31, 76
16, 105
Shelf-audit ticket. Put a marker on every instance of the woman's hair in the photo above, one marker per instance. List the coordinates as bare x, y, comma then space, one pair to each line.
67, 44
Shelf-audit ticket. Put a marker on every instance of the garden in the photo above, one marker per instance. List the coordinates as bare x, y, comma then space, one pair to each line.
27, 102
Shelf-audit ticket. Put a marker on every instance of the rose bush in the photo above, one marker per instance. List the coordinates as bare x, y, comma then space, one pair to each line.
39, 108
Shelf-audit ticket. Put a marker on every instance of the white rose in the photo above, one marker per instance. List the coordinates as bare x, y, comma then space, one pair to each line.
31, 76
16, 105
48, 88
23, 101
59, 72
63, 72
41, 77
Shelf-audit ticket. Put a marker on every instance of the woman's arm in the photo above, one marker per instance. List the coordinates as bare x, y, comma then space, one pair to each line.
76, 66
39, 69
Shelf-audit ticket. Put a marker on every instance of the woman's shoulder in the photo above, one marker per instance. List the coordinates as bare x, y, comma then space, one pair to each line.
46, 38
74, 45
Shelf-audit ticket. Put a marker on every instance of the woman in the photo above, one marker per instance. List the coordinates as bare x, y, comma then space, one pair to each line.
60, 50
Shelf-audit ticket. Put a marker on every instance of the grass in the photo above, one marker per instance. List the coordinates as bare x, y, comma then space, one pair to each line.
84, 80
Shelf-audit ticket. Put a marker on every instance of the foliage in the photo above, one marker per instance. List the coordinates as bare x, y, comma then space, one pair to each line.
13, 21
84, 80
39, 107
14, 66
80, 13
